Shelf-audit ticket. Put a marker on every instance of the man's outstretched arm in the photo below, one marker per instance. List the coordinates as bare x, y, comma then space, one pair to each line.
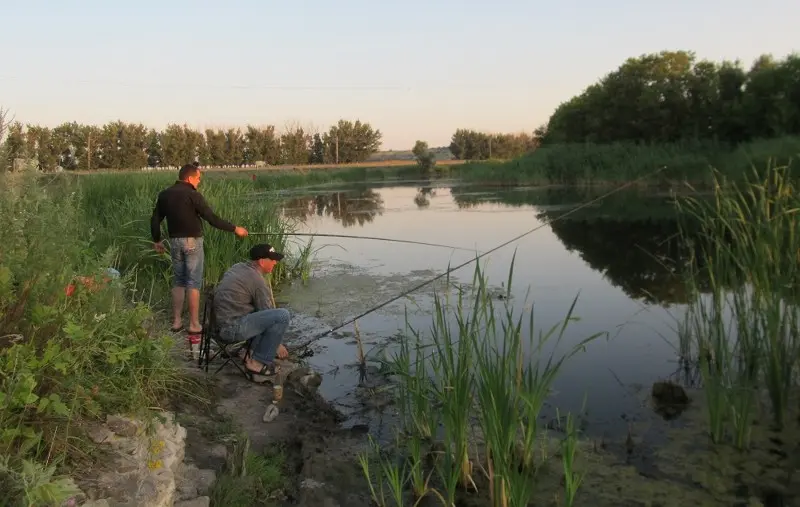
205, 212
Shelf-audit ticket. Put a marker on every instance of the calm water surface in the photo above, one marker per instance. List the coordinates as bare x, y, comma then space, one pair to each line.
617, 257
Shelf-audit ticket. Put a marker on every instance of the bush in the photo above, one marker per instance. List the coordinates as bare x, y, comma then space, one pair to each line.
73, 344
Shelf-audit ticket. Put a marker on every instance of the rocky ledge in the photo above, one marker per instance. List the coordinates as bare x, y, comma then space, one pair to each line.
142, 465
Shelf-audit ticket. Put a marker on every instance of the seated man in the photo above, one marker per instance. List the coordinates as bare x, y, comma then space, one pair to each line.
244, 309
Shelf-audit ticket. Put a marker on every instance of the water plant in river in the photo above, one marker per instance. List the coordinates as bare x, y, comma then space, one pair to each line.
747, 329
482, 373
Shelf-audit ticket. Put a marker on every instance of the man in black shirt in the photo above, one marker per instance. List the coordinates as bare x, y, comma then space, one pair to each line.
184, 207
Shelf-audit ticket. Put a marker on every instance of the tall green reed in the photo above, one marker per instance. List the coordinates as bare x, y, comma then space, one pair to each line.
747, 327
117, 210
488, 377
590, 163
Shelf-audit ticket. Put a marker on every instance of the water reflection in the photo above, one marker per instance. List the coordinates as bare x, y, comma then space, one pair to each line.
631, 237
423, 197
353, 207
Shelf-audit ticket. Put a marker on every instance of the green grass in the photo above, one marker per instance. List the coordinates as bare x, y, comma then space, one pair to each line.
116, 213
66, 357
622, 162
259, 483
470, 394
746, 330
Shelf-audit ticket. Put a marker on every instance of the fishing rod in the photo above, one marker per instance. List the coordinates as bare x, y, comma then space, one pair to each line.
431, 280
357, 237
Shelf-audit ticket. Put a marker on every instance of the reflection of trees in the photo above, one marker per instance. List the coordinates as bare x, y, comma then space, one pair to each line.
469, 196
354, 207
422, 199
647, 259
631, 237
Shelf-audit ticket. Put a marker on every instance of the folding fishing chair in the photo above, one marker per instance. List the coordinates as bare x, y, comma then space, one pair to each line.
229, 351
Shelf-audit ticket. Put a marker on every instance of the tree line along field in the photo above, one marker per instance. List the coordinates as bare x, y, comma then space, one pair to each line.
666, 108
120, 146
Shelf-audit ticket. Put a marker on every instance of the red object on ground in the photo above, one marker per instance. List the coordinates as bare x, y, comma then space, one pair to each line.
87, 282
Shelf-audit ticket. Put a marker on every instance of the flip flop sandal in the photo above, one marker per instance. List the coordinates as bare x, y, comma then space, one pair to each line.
176, 329
267, 370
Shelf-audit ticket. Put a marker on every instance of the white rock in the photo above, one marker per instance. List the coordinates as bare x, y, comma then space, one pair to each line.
271, 413
311, 484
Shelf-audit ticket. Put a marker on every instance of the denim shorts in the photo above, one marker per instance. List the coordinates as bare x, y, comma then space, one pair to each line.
187, 262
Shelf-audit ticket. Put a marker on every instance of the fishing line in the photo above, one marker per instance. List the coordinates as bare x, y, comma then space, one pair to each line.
357, 237
423, 284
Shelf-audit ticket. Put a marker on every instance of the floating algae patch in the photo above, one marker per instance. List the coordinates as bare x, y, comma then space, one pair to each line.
340, 291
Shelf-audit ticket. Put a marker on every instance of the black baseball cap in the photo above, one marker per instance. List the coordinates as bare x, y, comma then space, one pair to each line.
264, 251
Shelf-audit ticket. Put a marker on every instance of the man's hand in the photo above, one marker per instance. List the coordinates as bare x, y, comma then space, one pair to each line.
282, 352
240, 231
159, 247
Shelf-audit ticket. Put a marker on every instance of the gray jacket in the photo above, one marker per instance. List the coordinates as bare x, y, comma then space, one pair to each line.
242, 290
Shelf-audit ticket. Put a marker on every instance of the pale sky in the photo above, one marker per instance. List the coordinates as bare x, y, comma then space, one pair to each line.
413, 69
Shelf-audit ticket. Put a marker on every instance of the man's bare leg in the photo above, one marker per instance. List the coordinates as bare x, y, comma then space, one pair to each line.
177, 306
194, 310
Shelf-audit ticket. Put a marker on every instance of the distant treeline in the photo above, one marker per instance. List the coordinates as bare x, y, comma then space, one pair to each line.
670, 96
119, 145
471, 145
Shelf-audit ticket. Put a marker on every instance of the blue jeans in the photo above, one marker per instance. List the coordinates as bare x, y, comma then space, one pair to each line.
265, 327
187, 262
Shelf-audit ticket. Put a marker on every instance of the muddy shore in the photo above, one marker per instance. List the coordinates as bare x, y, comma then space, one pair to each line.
321, 457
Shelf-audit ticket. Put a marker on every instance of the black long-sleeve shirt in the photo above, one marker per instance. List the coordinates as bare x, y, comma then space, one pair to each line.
183, 207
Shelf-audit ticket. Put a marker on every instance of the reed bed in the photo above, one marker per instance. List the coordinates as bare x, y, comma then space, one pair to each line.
117, 210
616, 163
745, 332
470, 394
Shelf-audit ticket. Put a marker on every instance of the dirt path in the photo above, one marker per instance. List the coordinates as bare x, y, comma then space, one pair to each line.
321, 458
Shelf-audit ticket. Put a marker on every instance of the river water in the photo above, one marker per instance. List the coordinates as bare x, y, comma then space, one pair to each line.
621, 258
617, 257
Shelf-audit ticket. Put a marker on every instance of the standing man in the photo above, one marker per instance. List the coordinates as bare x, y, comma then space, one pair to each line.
183, 207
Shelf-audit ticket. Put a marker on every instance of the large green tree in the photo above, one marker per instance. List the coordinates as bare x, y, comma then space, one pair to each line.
672, 96
469, 144
349, 141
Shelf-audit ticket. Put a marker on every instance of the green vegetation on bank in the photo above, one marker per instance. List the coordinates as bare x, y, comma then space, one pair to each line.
72, 349
76, 343
745, 335
620, 162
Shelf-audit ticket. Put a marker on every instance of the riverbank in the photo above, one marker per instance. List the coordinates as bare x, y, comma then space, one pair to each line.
664, 165
619, 163
310, 466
